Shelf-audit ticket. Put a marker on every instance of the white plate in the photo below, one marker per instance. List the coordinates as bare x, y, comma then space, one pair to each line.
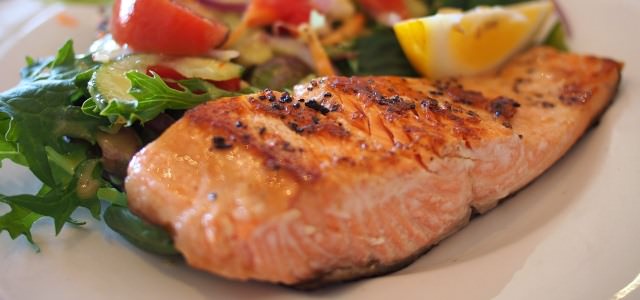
573, 234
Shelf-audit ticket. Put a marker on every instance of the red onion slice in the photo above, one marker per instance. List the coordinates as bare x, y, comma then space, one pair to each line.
563, 18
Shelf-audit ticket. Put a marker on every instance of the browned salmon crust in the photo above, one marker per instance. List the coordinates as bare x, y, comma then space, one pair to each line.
354, 177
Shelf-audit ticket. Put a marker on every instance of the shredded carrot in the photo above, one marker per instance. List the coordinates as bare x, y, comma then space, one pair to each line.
322, 62
350, 29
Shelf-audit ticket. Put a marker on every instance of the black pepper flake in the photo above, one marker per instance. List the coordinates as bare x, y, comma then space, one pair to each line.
277, 106
286, 98
239, 124
335, 107
220, 143
294, 126
262, 97
507, 124
269, 94
520, 136
327, 95
301, 100
213, 196
315, 105
262, 130
296, 105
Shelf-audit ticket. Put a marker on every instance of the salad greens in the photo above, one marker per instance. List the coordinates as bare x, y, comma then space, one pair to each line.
44, 127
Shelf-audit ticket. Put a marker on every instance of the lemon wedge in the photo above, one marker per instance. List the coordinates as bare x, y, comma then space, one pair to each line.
453, 42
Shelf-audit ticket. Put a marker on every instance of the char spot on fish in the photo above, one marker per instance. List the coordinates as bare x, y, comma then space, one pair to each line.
573, 94
277, 106
315, 105
395, 104
295, 127
220, 143
286, 98
503, 107
467, 97
546, 104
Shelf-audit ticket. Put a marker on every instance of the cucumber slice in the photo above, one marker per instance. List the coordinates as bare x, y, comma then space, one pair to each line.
204, 68
109, 82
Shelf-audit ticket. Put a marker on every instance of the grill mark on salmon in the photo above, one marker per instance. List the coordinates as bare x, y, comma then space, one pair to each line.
366, 178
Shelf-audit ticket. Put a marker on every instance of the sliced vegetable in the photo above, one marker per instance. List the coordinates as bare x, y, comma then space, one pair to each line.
279, 73
386, 12
164, 26
139, 232
114, 92
390, 12
266, 12
321, 61
152, 96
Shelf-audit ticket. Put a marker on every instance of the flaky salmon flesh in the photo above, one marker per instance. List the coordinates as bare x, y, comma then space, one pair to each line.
353, 177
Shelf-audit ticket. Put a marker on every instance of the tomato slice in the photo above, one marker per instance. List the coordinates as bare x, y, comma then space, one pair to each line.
163, 26
171, 77
232, 85
266, 12
387, 10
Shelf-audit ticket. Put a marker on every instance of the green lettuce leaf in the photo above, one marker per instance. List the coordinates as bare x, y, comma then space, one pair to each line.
370, 62
42, 127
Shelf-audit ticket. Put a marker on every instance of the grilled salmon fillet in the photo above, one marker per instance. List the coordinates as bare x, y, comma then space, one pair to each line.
353, 177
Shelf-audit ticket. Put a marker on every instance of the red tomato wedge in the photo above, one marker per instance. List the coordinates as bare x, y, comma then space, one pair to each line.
380, 8
164, 26
266, 12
